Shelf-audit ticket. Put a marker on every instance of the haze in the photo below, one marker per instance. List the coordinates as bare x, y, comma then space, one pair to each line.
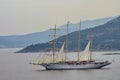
27, 16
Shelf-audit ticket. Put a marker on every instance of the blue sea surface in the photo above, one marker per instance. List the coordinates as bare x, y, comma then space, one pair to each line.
15, 66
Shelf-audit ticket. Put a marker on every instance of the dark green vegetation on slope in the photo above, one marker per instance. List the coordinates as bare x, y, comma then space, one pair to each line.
106, 37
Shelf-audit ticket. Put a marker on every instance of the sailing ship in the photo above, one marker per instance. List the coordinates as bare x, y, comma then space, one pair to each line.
58, 60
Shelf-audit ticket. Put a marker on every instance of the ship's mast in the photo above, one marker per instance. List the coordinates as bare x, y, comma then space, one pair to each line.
91, 40
78, 56
66, 40
54, 41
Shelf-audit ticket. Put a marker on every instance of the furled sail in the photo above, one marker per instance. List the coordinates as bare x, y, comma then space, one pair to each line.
86, 56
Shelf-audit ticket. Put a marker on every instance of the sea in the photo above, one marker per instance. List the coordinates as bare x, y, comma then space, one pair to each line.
15, 66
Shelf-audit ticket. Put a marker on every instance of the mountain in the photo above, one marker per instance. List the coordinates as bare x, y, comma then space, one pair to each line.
106, 37
42, 37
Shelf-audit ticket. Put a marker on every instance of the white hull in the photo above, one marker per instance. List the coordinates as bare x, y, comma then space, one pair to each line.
66, 66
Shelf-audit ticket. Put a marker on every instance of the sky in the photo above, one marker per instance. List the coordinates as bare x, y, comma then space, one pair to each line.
28, 16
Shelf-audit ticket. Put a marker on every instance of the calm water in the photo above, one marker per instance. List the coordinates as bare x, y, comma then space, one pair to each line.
15, 67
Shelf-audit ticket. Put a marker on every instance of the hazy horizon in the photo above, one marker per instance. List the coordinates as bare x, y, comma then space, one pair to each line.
28, 16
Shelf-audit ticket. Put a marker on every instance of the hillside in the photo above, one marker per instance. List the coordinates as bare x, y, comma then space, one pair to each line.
106, 37
34, 38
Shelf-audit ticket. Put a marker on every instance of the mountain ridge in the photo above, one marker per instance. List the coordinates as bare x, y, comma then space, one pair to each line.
106, 38
16, 41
